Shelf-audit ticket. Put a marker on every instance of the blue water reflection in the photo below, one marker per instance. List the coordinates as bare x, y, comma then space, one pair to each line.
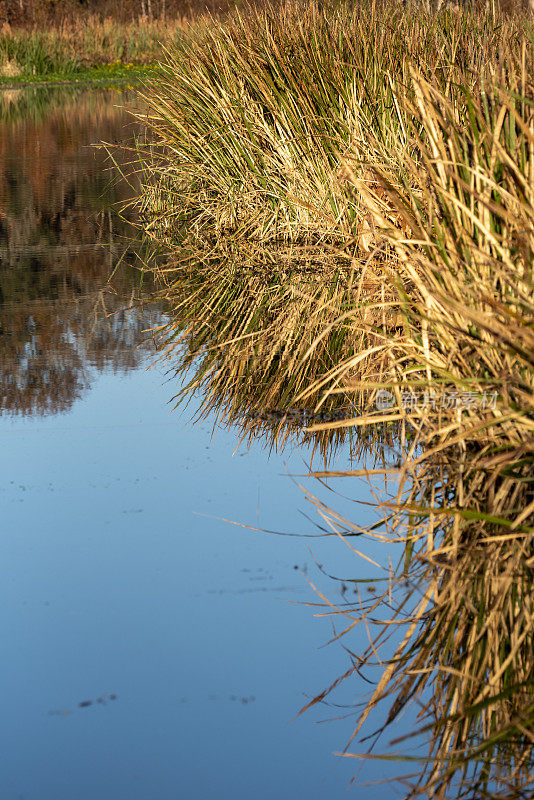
117, 584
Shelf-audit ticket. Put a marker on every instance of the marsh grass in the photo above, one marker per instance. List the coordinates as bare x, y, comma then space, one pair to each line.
458, 220
77, 46
389, 155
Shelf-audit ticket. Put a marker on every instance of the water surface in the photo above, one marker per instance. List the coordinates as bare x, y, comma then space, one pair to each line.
151, 649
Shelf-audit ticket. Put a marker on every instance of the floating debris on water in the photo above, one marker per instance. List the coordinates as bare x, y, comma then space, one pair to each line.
102, 700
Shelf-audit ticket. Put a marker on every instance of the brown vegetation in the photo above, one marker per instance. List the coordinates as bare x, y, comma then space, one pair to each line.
58, 13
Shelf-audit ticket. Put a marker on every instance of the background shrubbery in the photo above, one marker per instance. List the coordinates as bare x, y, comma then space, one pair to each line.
58, 12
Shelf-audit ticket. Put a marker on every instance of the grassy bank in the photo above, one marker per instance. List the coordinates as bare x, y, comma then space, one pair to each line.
346, 199
92, 50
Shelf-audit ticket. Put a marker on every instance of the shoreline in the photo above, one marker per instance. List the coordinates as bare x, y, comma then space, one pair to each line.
91, 75
93, 50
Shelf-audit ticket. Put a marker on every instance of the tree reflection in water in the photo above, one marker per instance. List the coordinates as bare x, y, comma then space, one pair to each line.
63, 305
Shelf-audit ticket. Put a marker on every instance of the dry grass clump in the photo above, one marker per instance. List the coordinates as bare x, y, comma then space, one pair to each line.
9, 69
256, 115
392, 151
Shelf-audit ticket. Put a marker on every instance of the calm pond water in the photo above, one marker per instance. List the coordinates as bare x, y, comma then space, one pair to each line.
151, 649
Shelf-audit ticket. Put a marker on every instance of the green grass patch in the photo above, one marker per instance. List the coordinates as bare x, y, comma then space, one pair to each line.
105, 74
